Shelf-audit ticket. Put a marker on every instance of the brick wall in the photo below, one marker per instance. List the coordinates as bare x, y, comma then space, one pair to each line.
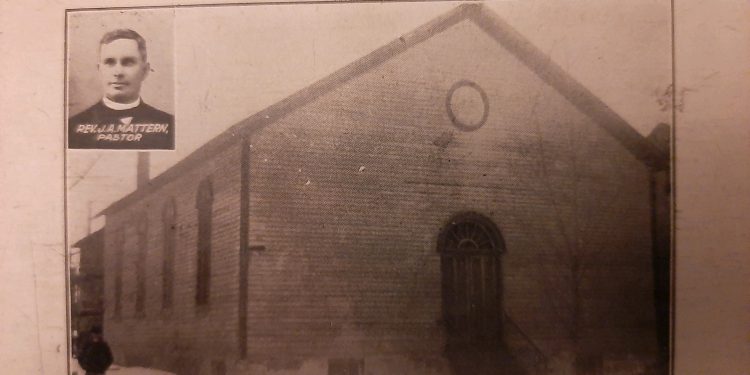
185, 337
349, 193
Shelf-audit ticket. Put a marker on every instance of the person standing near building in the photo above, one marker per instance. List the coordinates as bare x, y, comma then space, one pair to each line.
95, 356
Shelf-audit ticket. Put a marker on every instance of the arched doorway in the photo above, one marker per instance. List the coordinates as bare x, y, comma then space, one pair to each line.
470, 246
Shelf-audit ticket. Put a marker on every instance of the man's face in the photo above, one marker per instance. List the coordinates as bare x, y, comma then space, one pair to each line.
122, 70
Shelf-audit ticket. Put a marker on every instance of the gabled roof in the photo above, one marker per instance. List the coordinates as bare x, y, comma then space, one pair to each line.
488, 21
94, 239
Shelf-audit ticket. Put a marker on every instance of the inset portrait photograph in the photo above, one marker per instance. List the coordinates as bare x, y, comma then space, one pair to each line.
120, 82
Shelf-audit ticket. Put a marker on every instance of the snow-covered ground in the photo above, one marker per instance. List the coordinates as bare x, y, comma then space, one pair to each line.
75, 369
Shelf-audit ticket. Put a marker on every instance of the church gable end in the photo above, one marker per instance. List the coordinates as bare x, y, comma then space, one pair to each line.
350, 190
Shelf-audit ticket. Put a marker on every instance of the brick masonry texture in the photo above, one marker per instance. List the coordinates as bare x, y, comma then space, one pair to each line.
348, 195
351, 263
178, 337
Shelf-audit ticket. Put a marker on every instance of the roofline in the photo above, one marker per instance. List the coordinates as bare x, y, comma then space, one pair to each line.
488, 21
88, 237
279, 109
571, 89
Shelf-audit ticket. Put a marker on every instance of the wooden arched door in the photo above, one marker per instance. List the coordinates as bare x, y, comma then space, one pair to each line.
470, 246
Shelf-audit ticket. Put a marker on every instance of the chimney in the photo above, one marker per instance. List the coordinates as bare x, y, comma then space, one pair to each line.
143, 169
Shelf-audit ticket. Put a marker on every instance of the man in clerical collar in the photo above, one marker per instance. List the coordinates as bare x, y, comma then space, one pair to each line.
121, 120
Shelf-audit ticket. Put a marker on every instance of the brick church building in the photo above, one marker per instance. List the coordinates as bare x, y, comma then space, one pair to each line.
453, 202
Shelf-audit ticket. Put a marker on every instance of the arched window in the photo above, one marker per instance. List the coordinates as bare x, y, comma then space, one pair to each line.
118, 246
169, 230
204, 204
471, 232
140, 263
470, 246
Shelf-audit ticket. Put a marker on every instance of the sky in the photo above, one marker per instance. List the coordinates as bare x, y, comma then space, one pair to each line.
232, 61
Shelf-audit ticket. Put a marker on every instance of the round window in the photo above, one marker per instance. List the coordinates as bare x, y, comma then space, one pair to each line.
467, 105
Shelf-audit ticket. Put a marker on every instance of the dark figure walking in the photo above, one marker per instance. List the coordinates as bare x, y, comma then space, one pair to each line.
95, 356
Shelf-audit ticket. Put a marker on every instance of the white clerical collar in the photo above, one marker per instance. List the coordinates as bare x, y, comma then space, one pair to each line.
120, 106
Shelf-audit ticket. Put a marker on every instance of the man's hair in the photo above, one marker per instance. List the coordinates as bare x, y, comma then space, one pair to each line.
126, 34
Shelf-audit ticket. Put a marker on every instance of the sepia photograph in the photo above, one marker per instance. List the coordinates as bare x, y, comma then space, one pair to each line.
443, 188
111, 68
